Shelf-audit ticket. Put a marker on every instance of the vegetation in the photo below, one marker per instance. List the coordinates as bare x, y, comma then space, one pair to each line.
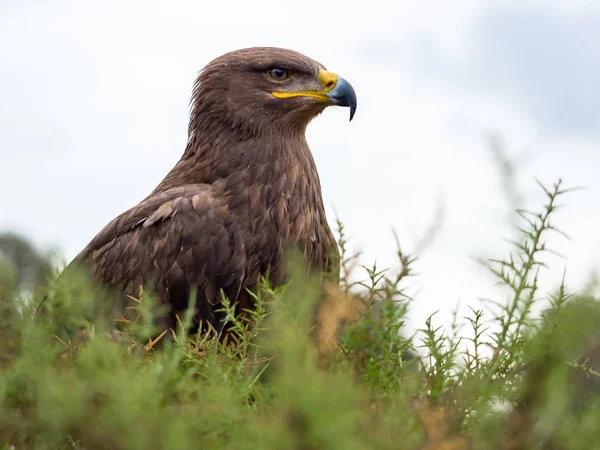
309, 371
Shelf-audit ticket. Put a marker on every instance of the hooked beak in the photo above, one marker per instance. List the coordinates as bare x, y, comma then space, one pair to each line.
343, 95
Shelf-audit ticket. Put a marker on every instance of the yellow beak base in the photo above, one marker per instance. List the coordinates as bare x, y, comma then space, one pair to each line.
327, 79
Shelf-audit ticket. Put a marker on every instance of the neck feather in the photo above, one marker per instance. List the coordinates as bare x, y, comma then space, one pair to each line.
217, 149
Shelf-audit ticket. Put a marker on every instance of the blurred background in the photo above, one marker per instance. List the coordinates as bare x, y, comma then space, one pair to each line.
462, 107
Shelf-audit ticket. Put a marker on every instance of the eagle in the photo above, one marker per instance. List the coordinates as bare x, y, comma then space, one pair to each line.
245, 191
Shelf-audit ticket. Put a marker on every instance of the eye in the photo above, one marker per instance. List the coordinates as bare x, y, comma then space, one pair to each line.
278, 73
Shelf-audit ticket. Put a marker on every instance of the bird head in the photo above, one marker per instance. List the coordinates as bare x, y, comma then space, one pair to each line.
269, 88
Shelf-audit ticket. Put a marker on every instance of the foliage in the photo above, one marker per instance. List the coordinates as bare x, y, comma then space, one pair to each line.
308, 370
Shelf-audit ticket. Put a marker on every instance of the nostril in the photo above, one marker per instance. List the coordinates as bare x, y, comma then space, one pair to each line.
330, 84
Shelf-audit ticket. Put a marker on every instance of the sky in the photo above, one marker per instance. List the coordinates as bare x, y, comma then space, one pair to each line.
95, 99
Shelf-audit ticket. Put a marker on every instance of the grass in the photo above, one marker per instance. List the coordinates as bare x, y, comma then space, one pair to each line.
307, 371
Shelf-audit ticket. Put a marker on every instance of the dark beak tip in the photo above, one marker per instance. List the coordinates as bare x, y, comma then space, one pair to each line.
352, 111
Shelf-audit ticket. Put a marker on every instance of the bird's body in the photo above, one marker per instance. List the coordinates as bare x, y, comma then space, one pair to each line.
245, 189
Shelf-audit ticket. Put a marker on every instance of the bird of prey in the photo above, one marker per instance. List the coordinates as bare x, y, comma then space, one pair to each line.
244, 190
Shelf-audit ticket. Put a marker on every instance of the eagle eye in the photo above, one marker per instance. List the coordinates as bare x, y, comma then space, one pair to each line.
278, 73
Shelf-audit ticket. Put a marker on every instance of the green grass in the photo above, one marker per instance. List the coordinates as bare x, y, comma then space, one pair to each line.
306, 372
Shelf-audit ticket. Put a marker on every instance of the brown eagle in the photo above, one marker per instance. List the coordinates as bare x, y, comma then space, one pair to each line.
244, 190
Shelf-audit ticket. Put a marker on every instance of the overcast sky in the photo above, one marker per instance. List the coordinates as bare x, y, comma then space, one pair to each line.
94, 110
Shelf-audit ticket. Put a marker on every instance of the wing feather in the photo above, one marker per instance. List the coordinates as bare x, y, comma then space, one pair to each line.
180, 240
